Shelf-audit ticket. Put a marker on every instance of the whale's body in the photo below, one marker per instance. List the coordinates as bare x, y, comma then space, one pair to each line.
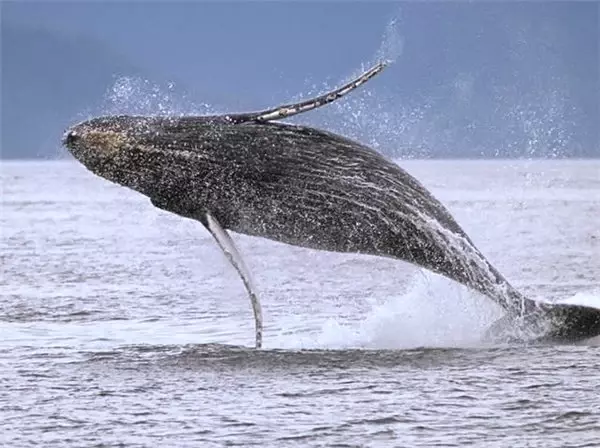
306, 187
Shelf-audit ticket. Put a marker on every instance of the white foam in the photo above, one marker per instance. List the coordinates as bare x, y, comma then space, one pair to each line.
435, 312
585, 298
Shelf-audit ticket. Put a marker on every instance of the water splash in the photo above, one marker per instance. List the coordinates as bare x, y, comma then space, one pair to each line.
137, 96
470, 113
373, 114
434, 312
392, 44
540, 120
585, 298
133, 95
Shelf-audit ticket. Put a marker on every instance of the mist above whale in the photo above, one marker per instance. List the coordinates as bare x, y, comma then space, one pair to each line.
250, 174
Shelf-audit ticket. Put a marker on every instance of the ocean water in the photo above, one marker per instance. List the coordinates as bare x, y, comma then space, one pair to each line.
122, 325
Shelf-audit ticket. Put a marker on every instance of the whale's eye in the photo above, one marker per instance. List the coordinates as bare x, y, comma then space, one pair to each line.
71, 138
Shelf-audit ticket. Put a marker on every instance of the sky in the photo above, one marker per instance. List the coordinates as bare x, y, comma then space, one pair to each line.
491, 79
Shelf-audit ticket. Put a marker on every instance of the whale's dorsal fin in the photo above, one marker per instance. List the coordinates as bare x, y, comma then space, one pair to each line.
289, 110
228, 247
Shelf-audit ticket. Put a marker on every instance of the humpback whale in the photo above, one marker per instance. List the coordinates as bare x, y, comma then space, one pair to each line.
250, 173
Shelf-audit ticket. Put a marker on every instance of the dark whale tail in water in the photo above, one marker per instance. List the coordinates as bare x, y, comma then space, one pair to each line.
250, 174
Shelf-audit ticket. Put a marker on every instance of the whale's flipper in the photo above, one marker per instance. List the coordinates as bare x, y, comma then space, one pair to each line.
289, 110
228, 247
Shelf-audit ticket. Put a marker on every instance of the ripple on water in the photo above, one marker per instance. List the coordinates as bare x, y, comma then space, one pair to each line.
100, 319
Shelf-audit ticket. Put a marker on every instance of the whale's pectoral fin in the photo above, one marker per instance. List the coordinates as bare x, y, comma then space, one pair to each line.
228, 247
289, 110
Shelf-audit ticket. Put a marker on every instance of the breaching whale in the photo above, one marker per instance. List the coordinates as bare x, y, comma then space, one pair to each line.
248, 173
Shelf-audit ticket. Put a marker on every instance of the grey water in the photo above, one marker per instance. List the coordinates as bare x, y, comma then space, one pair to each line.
122, 325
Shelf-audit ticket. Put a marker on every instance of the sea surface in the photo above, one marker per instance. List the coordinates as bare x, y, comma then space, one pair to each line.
124, 326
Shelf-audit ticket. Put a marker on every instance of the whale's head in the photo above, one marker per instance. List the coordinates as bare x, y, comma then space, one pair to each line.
107, 146
144, 153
